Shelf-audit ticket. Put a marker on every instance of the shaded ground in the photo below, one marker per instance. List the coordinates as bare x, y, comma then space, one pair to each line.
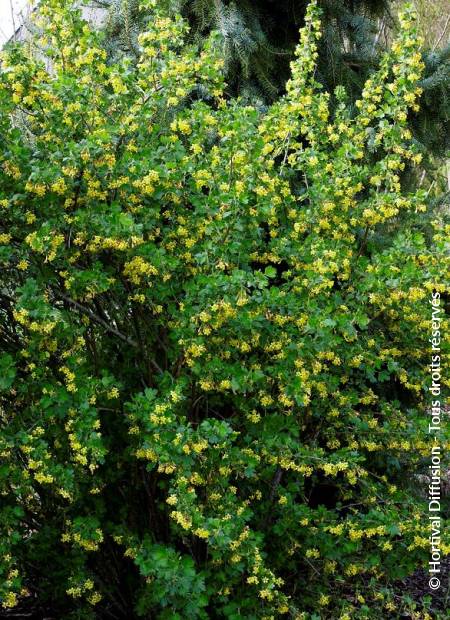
419, 590
416, 586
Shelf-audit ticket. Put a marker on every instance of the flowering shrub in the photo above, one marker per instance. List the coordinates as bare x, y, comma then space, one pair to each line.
214, 332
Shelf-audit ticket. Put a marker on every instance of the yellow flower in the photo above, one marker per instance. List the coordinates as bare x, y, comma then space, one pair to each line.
113, 393
94, 598
59, 186
312, 553
184, 127
182, 519
137, 268
9, 600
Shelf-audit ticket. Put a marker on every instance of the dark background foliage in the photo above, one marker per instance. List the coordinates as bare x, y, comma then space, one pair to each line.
259, 37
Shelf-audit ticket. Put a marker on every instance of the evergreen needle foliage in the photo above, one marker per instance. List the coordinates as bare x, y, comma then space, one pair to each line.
258, 38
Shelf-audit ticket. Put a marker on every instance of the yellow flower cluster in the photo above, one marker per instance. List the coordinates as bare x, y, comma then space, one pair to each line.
138, 268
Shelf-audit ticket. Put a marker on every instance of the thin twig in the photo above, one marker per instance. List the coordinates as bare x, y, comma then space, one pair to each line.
442, 33
109, 328
12, 19
99, 320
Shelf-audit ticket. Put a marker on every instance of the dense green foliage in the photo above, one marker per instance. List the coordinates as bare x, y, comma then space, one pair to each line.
215, 323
